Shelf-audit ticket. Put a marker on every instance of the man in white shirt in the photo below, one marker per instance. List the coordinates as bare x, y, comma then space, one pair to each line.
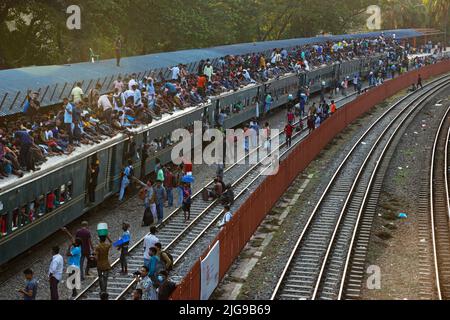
227, 217
118, 84
105, 103
150, 241
175, 72
208, 70
55, 272
132, 82
77, 93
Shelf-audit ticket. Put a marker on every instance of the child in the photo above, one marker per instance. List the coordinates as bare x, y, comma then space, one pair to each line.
122, 245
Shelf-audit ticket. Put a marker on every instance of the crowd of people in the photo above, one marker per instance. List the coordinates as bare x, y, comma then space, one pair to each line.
89, 117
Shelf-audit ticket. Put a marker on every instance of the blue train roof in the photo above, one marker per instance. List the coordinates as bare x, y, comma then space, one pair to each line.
56, 81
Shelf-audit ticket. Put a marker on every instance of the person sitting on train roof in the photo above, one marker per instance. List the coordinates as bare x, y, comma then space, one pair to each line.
92, 117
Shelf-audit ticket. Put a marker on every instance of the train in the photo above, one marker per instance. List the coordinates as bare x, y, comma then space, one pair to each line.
68, 179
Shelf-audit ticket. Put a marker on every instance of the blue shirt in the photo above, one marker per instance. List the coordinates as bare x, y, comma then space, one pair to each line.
67, 115
30, 285
24, 137
74, 259
171, 87
151, 88
160, 194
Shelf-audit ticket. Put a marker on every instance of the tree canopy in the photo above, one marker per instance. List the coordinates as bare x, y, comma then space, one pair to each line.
34, 32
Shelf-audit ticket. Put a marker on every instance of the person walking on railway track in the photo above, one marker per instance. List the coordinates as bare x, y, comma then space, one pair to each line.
147, 194
165, 257
55, 272
74, 254
169, 184
31, 286
161, 196
86, 247
122, 246
150, 240
103, 264
154, 263
419, 82
187, 200
178, 175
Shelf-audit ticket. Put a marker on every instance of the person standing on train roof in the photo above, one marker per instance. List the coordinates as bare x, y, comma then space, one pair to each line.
132, 82
126, 178
119, 85
55, 272
175, 72
77, 93
68, 118
208, 70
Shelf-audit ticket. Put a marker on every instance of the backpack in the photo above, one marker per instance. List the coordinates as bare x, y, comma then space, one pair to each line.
170, 258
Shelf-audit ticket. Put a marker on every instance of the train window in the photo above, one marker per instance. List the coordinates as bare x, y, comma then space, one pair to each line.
32, 215
15, 220
40, 206
50, 202
24, 216
3, 224
62, 194
69, 191
57, 193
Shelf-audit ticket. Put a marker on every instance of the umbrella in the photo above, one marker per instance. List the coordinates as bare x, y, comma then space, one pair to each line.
188, 179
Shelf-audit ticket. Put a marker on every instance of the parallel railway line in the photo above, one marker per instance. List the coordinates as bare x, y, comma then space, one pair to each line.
319, 264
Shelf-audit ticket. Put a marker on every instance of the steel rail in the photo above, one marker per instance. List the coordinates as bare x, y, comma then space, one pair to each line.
432, 205
366, 196
313, 215
197, 194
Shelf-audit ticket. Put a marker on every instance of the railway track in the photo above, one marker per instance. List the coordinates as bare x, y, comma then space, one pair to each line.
318, 265
181, 237
439, 205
